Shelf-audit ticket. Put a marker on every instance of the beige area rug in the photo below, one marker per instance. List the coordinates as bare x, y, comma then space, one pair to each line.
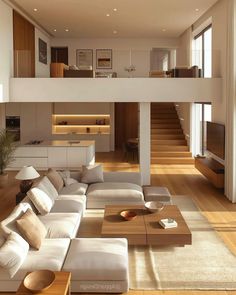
207, 264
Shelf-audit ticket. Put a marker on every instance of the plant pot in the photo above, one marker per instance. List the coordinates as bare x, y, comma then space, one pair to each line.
3, 180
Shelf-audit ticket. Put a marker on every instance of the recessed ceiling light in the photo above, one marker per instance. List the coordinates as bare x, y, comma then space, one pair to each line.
67, 30
114, 9
55, 30
35, 9
197, 9
115, 32
163, 30
107, 14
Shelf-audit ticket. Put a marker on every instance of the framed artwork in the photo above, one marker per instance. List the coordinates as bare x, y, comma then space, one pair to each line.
104, 58
84, 59
42, 51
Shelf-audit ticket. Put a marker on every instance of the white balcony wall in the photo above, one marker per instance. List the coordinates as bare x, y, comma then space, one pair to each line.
115, 90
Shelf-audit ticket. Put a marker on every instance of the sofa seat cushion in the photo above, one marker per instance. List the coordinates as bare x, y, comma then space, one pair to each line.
61, 225
51, 255
70, 203
114, 193
76, 188
95, 259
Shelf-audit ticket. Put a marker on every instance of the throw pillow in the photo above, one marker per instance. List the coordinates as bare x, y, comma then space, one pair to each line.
41, 200
92, 174
46, 185
32, 229
68, 181
13, 253
55, 179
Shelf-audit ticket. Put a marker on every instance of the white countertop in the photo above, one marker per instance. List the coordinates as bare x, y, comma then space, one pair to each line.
62, 143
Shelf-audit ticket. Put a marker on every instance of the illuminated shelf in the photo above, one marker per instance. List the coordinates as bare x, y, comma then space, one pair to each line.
81, 124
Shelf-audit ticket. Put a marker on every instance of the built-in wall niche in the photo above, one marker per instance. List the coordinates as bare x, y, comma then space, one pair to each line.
80, 124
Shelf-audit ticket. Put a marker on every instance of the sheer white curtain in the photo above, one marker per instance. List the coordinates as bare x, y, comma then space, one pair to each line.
230, 161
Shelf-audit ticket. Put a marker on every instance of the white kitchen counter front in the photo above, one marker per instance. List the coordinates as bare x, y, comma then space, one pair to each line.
63, 143
57, 154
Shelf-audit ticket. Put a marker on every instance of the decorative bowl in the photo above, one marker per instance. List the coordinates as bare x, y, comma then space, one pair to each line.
39, 280
128, 215
154, 206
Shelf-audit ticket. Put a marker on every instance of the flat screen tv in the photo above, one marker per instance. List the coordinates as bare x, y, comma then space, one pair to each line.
216, 139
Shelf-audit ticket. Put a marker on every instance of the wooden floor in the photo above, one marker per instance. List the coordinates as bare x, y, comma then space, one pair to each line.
180, 180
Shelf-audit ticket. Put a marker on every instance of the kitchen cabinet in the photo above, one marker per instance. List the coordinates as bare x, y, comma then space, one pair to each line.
55, 154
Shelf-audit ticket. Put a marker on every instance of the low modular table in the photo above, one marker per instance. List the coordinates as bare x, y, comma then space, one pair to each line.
145, 228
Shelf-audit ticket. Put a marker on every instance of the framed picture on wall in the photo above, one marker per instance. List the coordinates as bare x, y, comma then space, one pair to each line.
104, 58
42, 51
84, 59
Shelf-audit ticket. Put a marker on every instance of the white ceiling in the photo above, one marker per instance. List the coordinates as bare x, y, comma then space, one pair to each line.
134, 18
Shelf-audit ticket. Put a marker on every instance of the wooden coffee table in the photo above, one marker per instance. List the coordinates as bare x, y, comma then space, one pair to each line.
145, 228
61, 285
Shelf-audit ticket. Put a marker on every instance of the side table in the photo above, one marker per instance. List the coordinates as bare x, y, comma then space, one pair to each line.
61, 285
19, 197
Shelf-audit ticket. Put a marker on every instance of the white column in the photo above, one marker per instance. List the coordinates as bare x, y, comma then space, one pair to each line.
145, 142
230, 159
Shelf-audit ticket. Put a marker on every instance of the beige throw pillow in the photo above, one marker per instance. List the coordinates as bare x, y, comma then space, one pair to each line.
92, 174
31, 228
13, 253
55, 179
41, 200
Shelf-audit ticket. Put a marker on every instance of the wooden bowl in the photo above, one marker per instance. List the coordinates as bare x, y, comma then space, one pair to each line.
39, 281
154, 206
128, 215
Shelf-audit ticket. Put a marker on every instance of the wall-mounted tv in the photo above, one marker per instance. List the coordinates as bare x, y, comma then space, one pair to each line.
216, 139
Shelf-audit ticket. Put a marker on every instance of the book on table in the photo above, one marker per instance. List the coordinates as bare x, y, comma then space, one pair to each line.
168, 223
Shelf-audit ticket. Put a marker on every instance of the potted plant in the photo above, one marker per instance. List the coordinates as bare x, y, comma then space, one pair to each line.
7, 148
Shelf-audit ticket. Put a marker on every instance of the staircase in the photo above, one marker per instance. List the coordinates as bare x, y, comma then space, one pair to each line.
168, 143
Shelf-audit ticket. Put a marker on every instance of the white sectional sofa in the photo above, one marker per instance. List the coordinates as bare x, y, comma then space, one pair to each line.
97, 264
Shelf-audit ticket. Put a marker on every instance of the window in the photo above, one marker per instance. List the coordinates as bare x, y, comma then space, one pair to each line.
202, 57
202, 52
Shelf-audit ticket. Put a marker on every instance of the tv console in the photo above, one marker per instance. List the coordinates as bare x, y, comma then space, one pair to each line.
212, 170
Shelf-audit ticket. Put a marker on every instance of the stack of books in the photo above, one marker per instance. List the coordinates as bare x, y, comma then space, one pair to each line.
168, 223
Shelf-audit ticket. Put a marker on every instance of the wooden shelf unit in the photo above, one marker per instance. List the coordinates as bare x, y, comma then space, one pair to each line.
212, 170
81, 124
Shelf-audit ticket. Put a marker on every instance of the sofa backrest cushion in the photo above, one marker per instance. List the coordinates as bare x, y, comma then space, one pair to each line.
92, 174
13, 253
41, 200
55, 179
46, 185
130, 177
31, 228
76, 188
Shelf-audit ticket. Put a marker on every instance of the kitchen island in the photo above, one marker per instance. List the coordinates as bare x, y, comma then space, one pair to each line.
59, 154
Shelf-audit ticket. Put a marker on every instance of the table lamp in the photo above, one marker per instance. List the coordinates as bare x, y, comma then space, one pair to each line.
26, 174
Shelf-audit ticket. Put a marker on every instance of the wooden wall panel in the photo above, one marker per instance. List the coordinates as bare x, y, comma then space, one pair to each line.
126, 122
24, 46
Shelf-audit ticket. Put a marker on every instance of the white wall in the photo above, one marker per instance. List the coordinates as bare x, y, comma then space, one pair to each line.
6, 50
183, 54
140, 49
41, 69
